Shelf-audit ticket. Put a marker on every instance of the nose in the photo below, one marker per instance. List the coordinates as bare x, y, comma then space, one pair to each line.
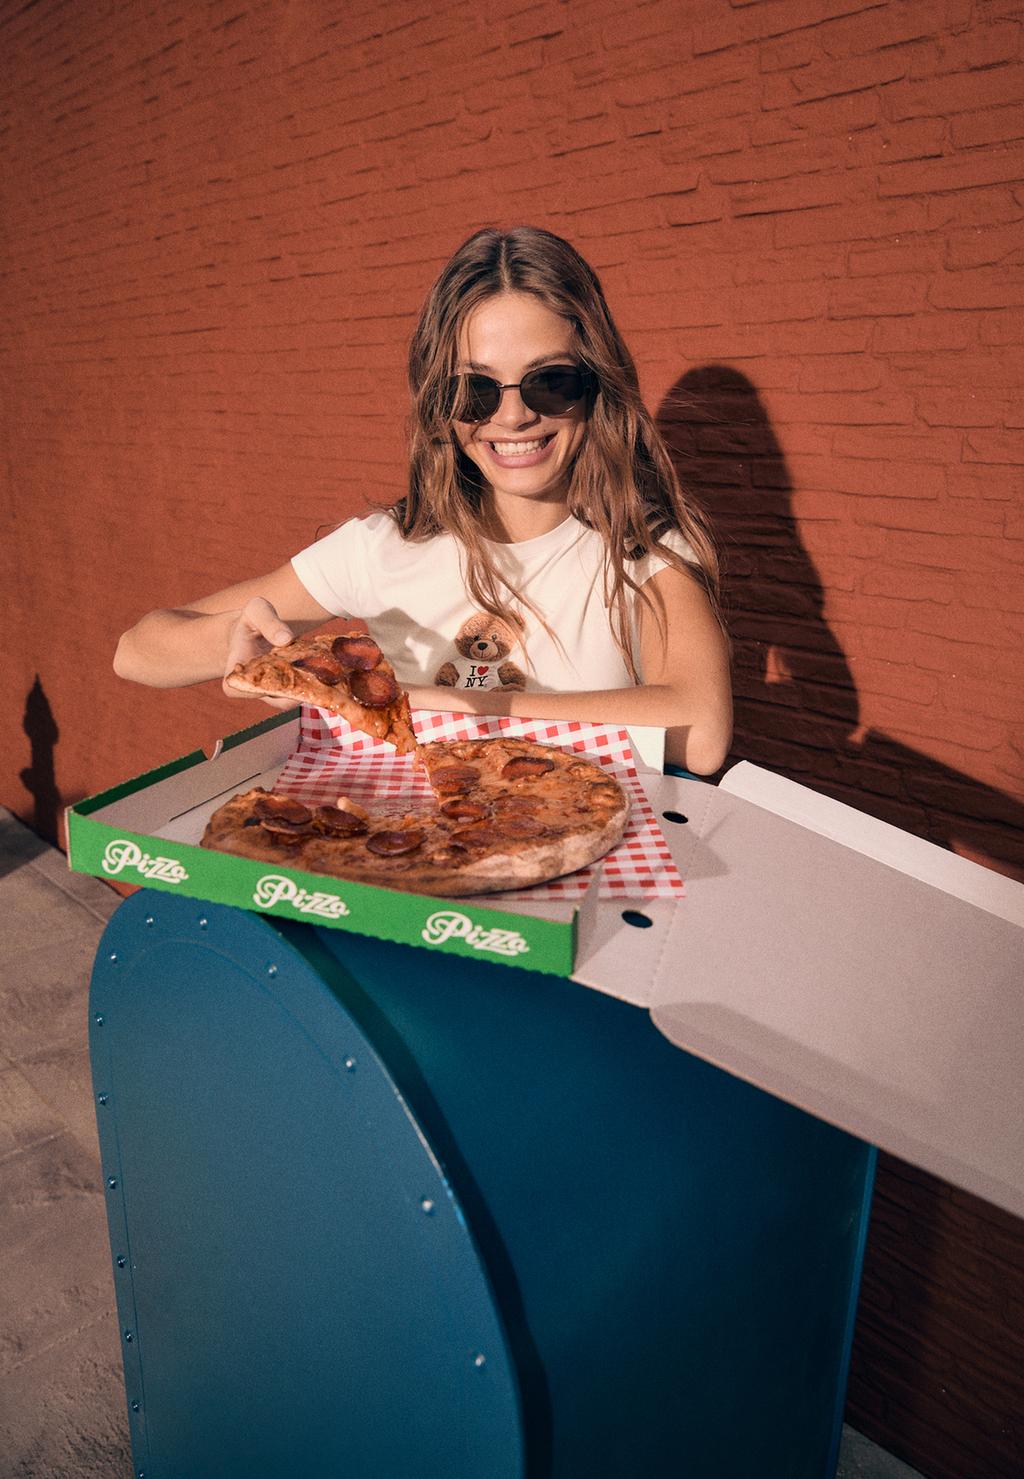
513, 411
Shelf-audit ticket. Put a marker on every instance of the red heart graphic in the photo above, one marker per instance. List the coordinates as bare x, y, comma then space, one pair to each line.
481, 670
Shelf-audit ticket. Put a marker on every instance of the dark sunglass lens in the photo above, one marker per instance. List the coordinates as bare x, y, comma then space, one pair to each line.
482, 397
471, 397
552, 391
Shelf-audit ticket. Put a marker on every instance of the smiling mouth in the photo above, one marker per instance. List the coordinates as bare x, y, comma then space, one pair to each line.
521, 448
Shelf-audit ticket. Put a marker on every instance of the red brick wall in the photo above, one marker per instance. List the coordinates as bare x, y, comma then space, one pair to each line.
219, 219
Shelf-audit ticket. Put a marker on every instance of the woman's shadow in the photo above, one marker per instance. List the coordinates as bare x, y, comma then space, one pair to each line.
797, 709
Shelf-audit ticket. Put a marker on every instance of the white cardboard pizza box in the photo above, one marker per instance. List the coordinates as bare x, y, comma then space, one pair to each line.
863, 974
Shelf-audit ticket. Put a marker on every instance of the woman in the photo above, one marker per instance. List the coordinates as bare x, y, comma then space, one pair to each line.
544, 562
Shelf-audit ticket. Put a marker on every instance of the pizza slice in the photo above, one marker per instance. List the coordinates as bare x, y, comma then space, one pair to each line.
347, 675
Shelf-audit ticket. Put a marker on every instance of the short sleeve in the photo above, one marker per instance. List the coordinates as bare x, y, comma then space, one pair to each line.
329, 569
643, 569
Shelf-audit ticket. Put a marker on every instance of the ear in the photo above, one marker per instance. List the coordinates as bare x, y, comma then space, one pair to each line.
506, 635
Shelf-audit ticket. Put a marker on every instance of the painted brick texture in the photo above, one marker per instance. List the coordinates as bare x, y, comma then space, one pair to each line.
218, 221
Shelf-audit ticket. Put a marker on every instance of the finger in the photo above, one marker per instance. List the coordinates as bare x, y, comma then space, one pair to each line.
262, 617
274, 703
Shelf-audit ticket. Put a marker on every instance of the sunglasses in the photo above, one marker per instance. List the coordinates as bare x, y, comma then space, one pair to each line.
550, 391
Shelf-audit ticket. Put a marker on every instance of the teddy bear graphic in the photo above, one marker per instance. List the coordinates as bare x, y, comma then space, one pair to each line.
483, 642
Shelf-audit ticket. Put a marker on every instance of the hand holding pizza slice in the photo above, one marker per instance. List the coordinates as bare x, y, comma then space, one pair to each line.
346, 674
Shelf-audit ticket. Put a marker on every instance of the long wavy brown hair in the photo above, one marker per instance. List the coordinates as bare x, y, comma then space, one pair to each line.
621, 483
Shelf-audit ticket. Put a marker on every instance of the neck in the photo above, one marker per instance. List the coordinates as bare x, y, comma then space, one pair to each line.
513, 520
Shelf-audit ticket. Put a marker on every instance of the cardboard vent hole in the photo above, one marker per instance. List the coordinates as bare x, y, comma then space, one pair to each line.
636, 919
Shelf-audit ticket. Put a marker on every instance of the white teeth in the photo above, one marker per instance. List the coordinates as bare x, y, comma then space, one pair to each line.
517, 449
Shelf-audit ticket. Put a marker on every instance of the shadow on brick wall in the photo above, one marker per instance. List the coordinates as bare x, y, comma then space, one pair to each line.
797, 709
39, 776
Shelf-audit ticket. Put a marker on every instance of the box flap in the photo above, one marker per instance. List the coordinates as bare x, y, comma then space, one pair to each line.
876, 839
884, 1004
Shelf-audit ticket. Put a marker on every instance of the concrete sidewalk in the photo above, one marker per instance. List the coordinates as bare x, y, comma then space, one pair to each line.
62, 1407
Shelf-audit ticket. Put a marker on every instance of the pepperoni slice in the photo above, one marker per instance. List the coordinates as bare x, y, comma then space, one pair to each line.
281, 807
461, 810
479, 834
521, 828
449, 854
523, 767
515, 805
356, 654
604, 793
339, 823
374, 690
283, 830
393, 844
451, 779
322, 666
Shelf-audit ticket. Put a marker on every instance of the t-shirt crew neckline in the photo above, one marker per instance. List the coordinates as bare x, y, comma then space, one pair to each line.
553, 536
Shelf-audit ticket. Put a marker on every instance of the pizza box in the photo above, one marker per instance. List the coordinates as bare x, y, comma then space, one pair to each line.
860, 973
147, 830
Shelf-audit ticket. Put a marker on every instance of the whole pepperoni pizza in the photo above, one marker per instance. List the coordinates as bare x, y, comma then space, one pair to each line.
506, 814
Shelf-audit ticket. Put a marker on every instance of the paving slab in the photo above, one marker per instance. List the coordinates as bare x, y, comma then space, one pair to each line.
62, 1410
91, 893
45, 988
18, 844
53, 1230
36, 909
62, 1078
25, 1118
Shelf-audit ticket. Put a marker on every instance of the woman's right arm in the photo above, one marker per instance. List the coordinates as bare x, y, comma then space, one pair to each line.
192, 644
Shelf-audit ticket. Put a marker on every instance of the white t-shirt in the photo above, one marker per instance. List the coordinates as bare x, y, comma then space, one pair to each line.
413, 598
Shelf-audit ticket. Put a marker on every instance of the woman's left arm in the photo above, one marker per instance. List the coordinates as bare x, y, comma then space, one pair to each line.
686, 688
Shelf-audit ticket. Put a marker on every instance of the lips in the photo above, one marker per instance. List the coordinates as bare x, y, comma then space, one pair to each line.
522, 452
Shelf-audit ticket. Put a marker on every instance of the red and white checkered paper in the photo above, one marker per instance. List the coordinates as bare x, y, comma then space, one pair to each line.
334, 760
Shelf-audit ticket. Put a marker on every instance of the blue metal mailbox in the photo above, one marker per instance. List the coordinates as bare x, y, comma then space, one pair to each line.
381, 1214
